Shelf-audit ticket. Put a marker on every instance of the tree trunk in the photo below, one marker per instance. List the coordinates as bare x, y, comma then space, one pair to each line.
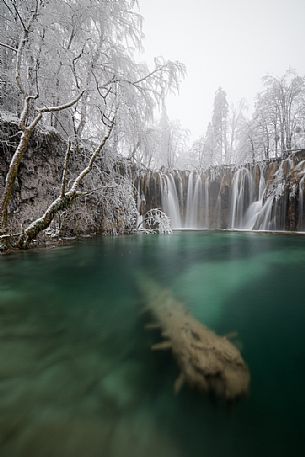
20, 152
12, 175
31, 232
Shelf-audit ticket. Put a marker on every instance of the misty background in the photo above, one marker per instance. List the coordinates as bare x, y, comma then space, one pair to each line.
228, 44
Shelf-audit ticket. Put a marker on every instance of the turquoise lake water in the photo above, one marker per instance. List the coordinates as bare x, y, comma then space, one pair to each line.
78, 378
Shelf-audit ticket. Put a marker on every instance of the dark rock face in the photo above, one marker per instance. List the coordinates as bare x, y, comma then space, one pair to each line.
39, 175
39, 182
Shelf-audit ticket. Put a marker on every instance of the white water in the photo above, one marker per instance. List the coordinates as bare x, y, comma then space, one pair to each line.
264, 220
195, 194
206, 214
255, 208
197, 202
170, 202
190, 204
301, 218
242, 193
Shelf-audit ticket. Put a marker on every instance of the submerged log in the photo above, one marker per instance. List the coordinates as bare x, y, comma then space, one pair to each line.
207, 361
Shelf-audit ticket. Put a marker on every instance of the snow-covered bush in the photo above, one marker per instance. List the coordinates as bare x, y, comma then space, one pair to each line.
156, 221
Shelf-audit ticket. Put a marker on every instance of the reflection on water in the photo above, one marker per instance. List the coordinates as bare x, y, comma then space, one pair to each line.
77, 377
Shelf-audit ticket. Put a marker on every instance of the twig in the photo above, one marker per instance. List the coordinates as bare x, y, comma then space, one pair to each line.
4, 45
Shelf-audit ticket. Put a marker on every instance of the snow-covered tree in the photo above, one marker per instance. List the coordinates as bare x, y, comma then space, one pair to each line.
72, 67
279, 108
219, 124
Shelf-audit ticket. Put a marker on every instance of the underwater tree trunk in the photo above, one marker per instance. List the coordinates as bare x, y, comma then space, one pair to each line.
208, 362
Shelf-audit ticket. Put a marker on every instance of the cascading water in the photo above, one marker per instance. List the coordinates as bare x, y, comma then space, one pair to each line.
197, 202
193, 204
190, 201
270, 217
301, 218
264, 218
179, 190
170, 201
269, 212
242, 196
255, 207
265, 196
206, 214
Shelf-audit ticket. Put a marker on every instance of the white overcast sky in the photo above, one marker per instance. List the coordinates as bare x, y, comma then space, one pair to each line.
227, 43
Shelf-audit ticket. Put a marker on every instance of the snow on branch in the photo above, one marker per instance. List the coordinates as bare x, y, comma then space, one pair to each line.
156, 221
4, 45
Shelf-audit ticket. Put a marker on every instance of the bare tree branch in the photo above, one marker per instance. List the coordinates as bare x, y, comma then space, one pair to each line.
18, 14
149, 75
93, 157
4, 45
12, 13
54, 109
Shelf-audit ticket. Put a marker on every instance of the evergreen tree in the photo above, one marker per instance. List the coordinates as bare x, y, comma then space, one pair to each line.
219, 124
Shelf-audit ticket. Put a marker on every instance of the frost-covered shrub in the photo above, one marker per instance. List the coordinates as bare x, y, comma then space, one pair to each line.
108, 209
155, 221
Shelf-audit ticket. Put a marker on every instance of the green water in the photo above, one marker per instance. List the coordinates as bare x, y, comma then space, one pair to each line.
77, 377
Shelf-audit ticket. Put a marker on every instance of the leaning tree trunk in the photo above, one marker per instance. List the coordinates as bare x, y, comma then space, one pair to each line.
27, 132
12, 175
42, 223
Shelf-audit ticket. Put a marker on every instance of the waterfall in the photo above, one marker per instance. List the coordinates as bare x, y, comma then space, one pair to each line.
242, 195
269, 213
256, 207
180, 189
206, 214
217, 216
169, 199
264, 219
194, 202
189, 201
263, 196
301, 221
197, 202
